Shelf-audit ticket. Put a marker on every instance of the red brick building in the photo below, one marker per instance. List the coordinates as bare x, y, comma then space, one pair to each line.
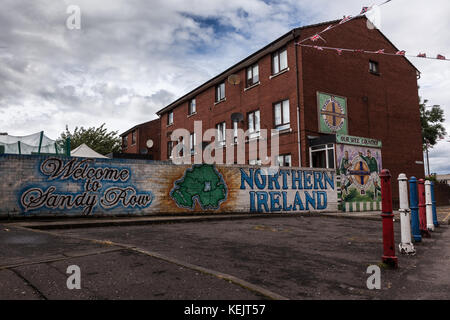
136, 140
280, 84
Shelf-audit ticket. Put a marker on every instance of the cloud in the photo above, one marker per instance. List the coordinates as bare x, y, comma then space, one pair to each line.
131, 58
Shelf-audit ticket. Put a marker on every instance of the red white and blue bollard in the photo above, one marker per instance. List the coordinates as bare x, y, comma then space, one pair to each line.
422, 210
429, 206
388, 257
406, 246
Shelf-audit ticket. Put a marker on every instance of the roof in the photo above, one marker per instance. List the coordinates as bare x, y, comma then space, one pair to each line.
281, 41
83, 151
137, 126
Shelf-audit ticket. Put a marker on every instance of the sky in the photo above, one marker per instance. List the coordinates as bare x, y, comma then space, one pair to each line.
130, 58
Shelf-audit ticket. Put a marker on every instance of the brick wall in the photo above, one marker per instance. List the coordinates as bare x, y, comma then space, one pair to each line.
64, 186
144, 132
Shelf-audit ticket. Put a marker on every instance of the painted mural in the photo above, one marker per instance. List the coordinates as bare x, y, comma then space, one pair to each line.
332, 113
99, 186
53, 186
359, 168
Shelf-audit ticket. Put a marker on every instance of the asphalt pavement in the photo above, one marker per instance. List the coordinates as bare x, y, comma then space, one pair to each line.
295, 257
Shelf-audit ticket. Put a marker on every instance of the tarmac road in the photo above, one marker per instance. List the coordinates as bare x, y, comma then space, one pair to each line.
278, 258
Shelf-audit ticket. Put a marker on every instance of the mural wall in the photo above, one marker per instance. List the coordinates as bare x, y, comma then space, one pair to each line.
38, 185
332, 113
359, 165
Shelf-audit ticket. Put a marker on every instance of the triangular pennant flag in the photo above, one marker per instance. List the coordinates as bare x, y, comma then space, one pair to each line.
365, 9
401, 53
422, 55
316, 37
339, 51
345, 19
380, 51
440, 57
318, 48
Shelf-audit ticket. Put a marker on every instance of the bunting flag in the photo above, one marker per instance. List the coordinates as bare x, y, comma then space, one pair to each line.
316, 37
328, 28
401, 53
365, 10
345, 19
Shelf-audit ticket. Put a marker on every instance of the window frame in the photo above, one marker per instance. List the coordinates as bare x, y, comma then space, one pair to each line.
284, 156
133, 137
283, 125
251, 69
169, 149
192, 141
223, 134
254, 132
218, 91
375, 70
190, 111
277, 54
170, 118
125, 142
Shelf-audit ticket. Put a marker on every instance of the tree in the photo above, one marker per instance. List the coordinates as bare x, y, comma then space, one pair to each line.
97, 139
432, 129
431, 119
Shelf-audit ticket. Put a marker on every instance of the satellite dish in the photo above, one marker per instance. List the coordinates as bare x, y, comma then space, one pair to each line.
149, 143
234, 79
237, 117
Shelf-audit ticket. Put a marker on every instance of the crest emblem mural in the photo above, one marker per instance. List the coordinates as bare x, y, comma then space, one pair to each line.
332, 113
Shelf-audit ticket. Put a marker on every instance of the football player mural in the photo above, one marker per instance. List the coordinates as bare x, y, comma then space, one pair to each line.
359, 165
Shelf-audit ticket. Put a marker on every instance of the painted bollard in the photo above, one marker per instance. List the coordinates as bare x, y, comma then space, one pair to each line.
414, 205
406, 246
422, 211
429, 206
433, 201
388, 220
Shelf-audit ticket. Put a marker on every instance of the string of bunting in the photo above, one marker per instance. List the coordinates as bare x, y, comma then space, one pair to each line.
346, 19
381, 51
318, 36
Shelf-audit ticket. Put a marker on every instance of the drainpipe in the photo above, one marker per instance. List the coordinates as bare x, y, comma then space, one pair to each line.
298, 103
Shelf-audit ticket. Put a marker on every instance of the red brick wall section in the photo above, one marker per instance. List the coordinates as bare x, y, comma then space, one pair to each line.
262, 97
442, 194
144, 132
384, 107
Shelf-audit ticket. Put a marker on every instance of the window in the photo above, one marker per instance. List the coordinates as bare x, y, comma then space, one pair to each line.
254, 162
125, 142
284, 160
169, 149
279, 61
252, 75
281, 112
192, 107
220, 92
322, 156
373, 67
235, 131
133, 137
170, 118
253, 123
192, 141
221, 136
